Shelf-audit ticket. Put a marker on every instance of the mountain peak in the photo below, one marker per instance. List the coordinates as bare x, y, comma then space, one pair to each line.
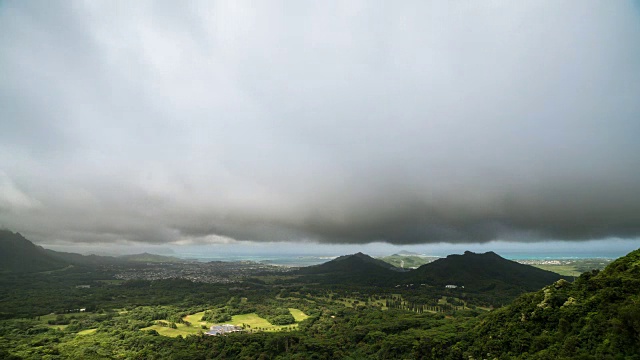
358, 255
358, 264
488, 254
483, 271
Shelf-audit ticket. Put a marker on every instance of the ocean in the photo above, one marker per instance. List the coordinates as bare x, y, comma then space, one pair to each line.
281, 260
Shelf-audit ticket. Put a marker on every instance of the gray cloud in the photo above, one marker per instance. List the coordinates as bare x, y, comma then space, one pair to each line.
341, 122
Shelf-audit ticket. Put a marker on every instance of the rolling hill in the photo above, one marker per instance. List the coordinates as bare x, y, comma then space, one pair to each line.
356, 268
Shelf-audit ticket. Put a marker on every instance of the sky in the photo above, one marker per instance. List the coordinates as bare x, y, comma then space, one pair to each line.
317, 124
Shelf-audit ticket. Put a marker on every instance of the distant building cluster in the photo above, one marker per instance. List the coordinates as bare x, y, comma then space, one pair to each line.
223, 329
544, 262
211, 272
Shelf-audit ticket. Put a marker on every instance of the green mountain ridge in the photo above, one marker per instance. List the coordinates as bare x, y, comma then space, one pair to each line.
17, 254
477, 272
83, 260
20, 255
595, 317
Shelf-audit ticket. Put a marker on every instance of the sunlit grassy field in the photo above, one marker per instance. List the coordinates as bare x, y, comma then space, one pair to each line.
196, 319
256, 322
252, 321
298, 314
182, 329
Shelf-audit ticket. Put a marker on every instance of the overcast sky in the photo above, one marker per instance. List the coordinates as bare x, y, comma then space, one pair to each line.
335, 122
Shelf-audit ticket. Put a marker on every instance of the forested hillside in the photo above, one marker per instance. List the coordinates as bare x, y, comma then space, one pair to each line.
596, 317
18, 254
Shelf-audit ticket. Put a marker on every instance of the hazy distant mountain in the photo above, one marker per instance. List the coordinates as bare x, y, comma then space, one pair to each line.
482, 272
407, 253
407, 261
18, 254
151, 258
86, 260
93, 260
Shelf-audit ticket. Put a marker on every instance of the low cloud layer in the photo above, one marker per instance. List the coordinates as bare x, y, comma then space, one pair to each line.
332, 122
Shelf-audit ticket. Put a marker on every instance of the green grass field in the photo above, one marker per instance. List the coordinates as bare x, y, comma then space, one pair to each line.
182, 329
196, 319
87, 332
254, 322
298, 314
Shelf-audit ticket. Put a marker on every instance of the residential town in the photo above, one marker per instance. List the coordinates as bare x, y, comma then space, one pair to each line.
210, 272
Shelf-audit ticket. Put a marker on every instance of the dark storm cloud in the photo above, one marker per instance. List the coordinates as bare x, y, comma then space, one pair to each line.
336, 122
